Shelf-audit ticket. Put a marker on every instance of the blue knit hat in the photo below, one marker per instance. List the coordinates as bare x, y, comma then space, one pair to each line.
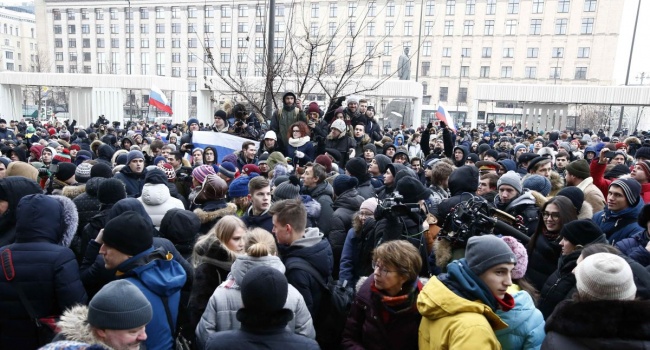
239, 187
192, 121
538, 183
134, 155
343, 183
228, 169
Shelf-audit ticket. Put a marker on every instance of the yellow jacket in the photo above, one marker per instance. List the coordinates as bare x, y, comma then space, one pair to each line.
452, 322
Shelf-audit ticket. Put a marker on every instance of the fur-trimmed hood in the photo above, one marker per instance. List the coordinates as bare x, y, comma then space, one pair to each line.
557, 183
586, 212
207, 216
74, 326
631, 140
539, 198
73, 191
52, 219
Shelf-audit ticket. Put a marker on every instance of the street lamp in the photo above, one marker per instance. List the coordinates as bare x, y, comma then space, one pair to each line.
129, 67
641, 77
460, 79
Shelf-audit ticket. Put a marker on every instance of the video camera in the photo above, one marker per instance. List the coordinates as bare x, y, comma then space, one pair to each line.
394, 205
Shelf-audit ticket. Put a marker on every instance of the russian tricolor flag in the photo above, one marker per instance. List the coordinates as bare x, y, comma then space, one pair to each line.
444, 116
159, 100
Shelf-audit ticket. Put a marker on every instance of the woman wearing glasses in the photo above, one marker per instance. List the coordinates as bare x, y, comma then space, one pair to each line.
384, 314
300, 147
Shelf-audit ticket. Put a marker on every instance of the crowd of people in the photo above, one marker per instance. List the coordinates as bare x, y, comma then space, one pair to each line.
126, 237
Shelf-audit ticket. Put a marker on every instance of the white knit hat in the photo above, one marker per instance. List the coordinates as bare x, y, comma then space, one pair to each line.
339, 125
605, 276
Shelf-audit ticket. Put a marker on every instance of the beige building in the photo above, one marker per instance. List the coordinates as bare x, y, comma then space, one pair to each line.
454, 45
18, 45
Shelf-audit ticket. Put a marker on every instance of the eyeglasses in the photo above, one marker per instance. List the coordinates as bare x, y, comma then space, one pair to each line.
364, 215
552, 216
296, 130
382, 271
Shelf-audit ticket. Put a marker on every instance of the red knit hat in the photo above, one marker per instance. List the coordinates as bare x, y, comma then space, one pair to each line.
620, 145
325, 161
51, 131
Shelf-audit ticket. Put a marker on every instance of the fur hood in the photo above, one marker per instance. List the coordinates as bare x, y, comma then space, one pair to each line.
539, 198
207, 216
586, 212
631, 140
73, 191
557, 183
74, 326
40, 220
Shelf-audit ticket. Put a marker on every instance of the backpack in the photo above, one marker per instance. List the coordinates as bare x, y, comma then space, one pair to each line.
334, 305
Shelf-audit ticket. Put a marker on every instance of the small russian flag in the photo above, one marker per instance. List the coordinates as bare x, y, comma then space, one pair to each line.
444, 116
159, 100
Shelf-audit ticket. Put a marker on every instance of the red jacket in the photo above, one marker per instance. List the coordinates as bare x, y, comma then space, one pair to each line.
597, 172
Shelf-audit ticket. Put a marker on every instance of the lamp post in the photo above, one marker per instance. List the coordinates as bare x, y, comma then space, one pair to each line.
268, 110
417, 63
460, 79
641, 77
629, 62
129, 67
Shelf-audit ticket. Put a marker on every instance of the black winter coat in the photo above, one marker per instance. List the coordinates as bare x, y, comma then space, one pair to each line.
345, 206
323, 194
132, 181
342, 144
542, 261
264, 220
15, 188
560, 285
87, 202
365, 189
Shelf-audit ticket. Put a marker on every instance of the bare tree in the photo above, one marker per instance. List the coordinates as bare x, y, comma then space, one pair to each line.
593, 117
40, 64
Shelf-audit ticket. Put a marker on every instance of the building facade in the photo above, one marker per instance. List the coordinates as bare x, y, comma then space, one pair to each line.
18, 44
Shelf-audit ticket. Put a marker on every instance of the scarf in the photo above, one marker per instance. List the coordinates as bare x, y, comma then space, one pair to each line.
393, 305
471, 284
507, 303
551, 236
299, 142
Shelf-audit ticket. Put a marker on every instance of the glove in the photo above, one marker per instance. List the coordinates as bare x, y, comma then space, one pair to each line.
300, 154
352, 154
43, 172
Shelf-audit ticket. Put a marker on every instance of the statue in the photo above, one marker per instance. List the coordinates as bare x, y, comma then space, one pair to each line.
404, 65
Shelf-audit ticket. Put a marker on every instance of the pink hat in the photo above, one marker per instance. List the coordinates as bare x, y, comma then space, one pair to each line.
200, 172
521, 254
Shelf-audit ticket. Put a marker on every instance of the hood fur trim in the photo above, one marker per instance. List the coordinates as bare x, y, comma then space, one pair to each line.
73, 191
632, 139
557, 183
70, 219
442, 251
207, 216
539, 198
74, 326
586, 212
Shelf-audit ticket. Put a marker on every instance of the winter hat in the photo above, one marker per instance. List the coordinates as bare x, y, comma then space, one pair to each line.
533, 163
518, 147
159, 159
643, 152
274, 159
228, 169
155, 176
62, 157
538, 183
579, 168
263, 158
110, 191
631, 188
473, 157
271, 135
620, 145
369, 204
492, 153
411, 189
75, 147
326, 162
645, 165
128, 233
119, 305
192, 121
82, 173
510, 178
582, 232
520, 253
334, 154
605, 276
352, 99
66, 171
221, 114
382, 162
575, 195
483, 252
339, 125
121, 159
313, 108
65, 134
231, 158
264, 290
287, 189
250, 168
101, 170
484, 147
200, 172
644, 216
371, 147
343, 183
168, 169
134, 155
239, 187
358, 168
617, 171
22, 169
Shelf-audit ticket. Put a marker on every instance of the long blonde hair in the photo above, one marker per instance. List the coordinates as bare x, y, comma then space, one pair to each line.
259, 242
218, 236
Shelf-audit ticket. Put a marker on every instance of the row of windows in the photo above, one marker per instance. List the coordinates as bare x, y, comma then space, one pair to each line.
160, 43
508, 52
530, 72
226, 11
226, 27
561, 25
563, 6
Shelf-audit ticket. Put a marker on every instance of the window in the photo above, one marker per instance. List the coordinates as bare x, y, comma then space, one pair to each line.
462, 95
513, 6
468, 28
446, 52
191, 72
367, 68
58, 56
408, 28
113, 13
144, 29
535, 27
226, 27
583, 52
563, 6
508, 52
72, 43
160, 63
445, 71
426, 67
259, 43
489, 27
226, 11
242, 58
242, 43
491, 7
144, 63
280, 27
128, 28
115, 43
176, 12
530, 72
485, 72
242, 10
352, 28
408, 10
191, 57
128, 13
176, 57
208, 11
58, 42
429, 8
464, 71
73, 56
225, 57
115, 29
85, 29
560, 26
144, 13
470, 7
85, 43
389, 27
449, 28
466, 52
370, 28
587, 26
532, 52
332, 11
99, 14
314, 10
558, 52
160, 28
556, 73
70, 15
388, 47
428, 27
352, 9
176, 43
176, 71
486, 52
84, 13
160, 42
450, 9
144, 43
226, 43
208, 71
191, 12
444, 93
100, 43
511, 27
370, 48
87, 70
538, 6
59, 69
160, 12
242, 27
57, 29
426, 48
390, 10
581, 73
590, 6
506, 72
192, 43
72, 29
176, 28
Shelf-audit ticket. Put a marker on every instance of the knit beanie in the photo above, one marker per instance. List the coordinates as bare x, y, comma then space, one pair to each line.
264, 290
631, 188
66, 171
521, 254
200, 172
483, 252
159, 159
643, 152
371, 147
192, 121
110, 191
274, 159
619, 170
512, 179
339, 125
645, 166
518, 147
382, 162
334, 154
579, 168
263, 158
582, 232
119, 305
168, 169
411, 189
575, 195
538, 183
101, 170
343, 183
134, 155
484, 147
369, 204
358, 168
250, 168
228, 169
82, 173
326, 162
62, 157
121, 159
271, 135
605, 276
239, 187
128, 233
288, 189
155, 176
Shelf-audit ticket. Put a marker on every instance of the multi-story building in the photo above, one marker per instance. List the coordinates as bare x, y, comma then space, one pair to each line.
454, 45
18, 45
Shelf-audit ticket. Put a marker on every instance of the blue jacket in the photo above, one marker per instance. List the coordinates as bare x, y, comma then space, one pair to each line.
350, 257
132, 181
158, 277
525, 325
307, 149
634, 247
608, 222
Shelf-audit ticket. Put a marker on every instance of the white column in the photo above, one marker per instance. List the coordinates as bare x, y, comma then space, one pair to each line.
11, 102
204, 111
81, 106
473, 117
180, 106
417, 112
108, 102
